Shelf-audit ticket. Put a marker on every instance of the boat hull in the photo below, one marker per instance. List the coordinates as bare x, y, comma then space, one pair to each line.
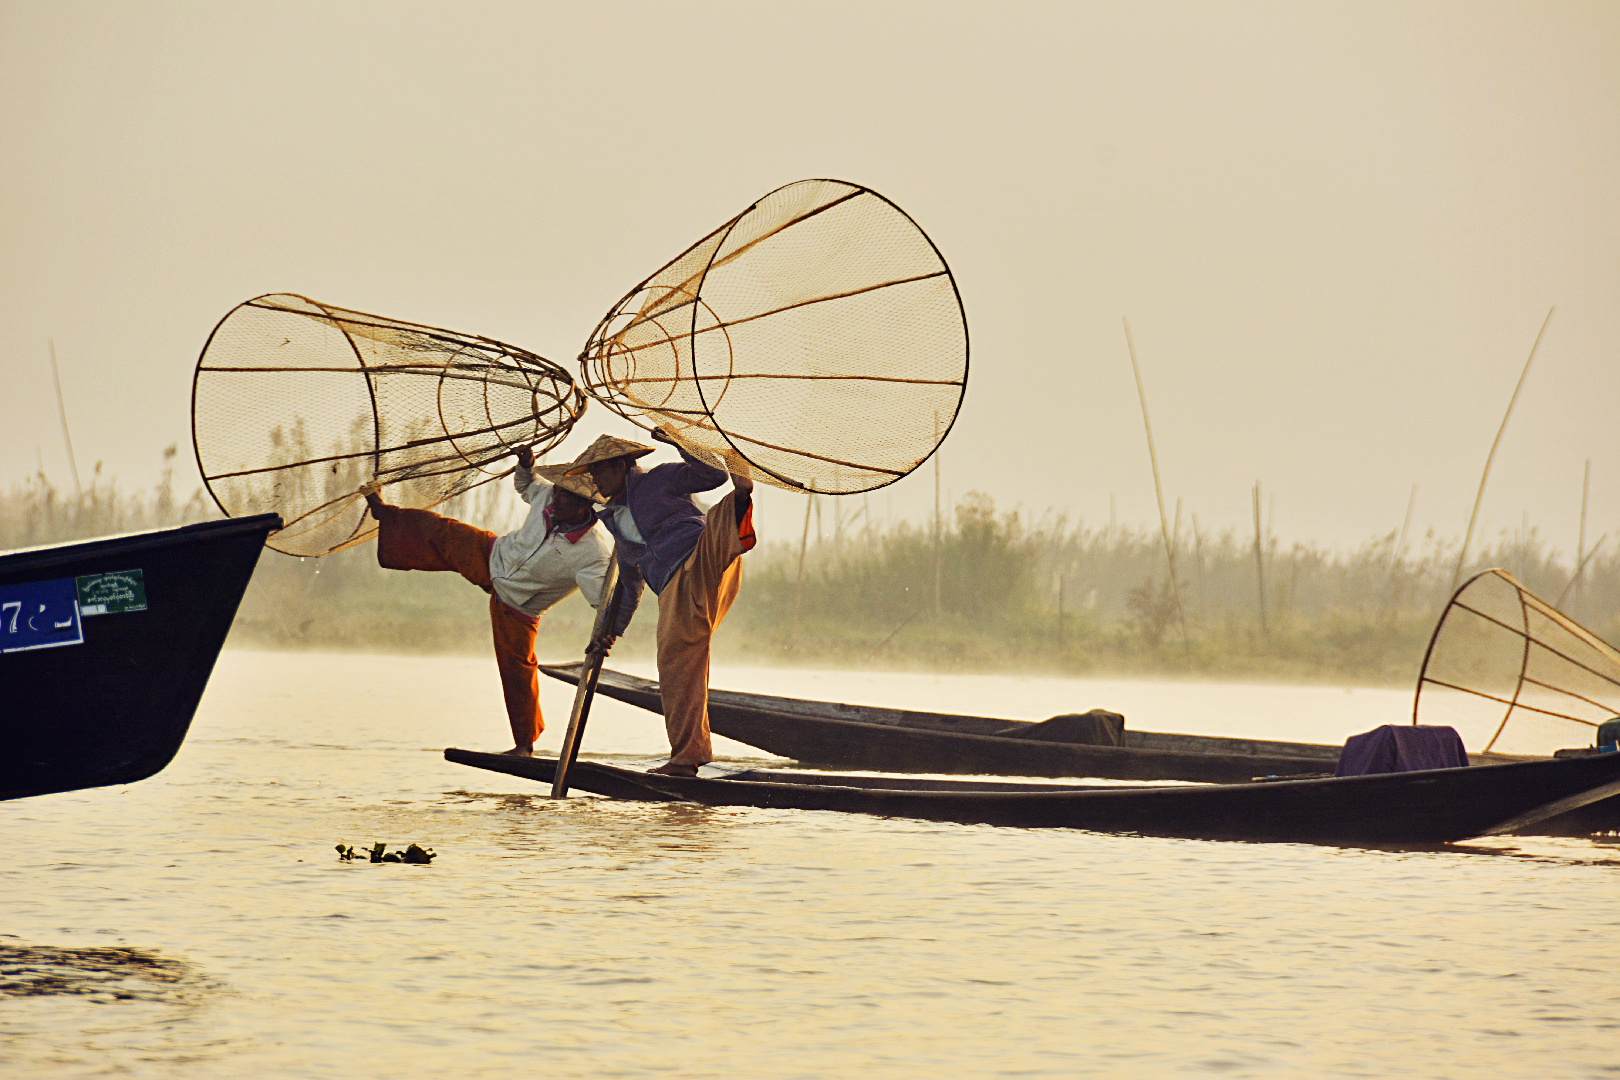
1392, 809
115, 707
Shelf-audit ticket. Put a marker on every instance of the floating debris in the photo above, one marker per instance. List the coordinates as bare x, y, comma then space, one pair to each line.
98, 975
414, 853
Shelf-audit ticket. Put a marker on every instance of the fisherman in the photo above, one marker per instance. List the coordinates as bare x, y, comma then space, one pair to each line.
688, 557
526, 573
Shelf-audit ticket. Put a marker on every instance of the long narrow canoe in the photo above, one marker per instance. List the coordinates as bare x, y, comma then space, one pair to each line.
106, 646
899, 740
1392, 809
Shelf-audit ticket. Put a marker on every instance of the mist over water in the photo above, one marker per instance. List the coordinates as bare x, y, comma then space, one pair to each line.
199, 923
1335, 228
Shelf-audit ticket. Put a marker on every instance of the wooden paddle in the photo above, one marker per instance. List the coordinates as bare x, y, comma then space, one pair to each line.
589, 672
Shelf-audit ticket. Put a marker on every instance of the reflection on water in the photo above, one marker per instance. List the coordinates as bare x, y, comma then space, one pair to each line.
588, 938
614, 830
1595, 851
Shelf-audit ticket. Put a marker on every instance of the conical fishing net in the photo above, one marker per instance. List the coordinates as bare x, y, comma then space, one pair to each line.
817, 336
296, 404
1512, 674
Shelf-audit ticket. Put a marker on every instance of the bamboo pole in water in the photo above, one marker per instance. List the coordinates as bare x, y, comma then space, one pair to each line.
1391, 582
838, 533
1259, 561
1582, 556
1468, 535
1158, 490
938, 527
61, 409
1060, 612
1406, 523
1198, 561
1580, 550
804, 546
1579, 570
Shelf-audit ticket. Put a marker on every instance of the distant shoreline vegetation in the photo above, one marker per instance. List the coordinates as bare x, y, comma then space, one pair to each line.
991, 591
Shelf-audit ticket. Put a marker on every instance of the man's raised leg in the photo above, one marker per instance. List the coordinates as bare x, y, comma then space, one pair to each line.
422, 540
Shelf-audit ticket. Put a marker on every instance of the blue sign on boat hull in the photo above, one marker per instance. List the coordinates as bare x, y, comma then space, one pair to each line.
39, 615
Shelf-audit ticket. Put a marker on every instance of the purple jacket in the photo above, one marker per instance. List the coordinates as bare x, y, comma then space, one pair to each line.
668, 518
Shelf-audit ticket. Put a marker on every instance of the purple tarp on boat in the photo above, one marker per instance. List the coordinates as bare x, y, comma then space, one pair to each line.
1402, 748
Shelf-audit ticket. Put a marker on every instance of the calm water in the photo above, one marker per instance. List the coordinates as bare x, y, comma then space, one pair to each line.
198, 923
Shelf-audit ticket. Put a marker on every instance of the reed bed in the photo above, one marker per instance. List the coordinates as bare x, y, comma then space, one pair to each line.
986, 590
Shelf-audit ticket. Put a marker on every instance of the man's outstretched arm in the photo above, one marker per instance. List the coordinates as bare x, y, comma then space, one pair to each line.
691, 475
523, 476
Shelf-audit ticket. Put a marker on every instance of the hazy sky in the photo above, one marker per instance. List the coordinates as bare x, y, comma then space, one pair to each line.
1335, 228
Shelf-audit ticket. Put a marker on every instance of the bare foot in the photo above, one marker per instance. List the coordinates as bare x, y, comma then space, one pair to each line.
519, 751
672, 768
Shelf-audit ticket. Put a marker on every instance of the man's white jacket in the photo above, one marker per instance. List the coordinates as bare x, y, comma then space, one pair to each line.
534, 569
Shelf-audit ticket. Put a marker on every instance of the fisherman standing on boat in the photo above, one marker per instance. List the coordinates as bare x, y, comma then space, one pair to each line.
526, 573
688, 557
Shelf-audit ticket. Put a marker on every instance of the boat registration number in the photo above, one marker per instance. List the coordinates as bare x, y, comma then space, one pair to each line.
39, 615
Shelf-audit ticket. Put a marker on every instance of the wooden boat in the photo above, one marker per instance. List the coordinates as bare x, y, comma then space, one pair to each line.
106, 645
1390, 809
898, 740
832, 735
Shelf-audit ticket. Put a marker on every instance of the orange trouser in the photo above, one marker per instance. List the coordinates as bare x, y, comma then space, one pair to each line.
690, 608
422, 540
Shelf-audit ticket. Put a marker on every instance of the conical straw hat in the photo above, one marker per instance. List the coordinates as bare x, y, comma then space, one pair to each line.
581, 485
605, 448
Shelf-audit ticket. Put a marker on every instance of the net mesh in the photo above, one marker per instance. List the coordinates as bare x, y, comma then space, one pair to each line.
817, 336
1512, 674
296, 404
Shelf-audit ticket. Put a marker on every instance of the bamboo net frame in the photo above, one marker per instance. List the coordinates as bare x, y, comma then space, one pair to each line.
1513, 674
811, 342
296, 404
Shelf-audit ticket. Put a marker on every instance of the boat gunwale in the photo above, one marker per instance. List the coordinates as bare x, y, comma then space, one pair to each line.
1407, 778
43, 556
1232, 746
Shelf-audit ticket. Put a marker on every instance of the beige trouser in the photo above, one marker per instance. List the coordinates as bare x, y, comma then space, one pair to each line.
689, 610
